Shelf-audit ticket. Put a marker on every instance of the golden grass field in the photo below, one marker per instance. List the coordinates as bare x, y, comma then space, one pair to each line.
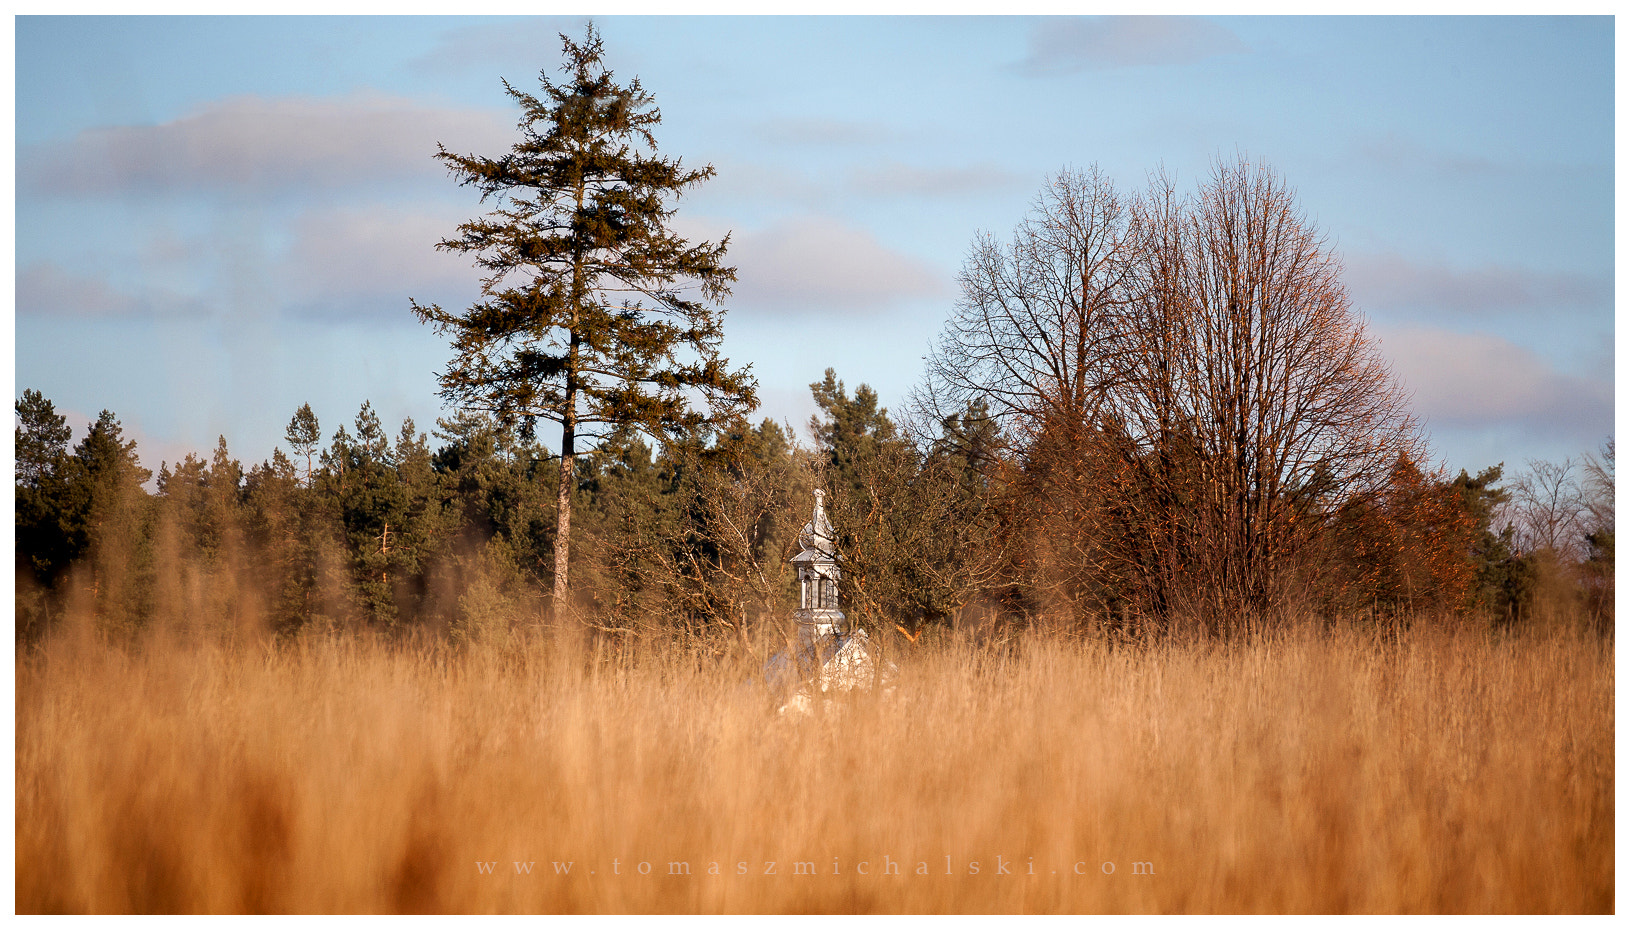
1325, 772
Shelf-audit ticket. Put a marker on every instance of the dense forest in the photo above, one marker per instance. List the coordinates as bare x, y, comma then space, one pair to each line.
691, 540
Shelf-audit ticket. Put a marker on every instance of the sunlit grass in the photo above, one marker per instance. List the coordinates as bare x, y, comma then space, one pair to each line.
1315, 772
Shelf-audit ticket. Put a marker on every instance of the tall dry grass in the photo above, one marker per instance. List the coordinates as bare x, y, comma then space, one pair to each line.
1315, 772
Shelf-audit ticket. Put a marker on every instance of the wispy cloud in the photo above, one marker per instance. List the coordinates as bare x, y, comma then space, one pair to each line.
48, 289
349, 262
336, 263
819, 264
1463, 380
371, 260
1392, 284
1392, 151
261, 143
1067, 46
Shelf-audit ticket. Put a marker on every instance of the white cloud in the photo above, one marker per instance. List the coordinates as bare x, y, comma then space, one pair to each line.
1066, 46
1389, 281
1481, 380
817, 264
261, 143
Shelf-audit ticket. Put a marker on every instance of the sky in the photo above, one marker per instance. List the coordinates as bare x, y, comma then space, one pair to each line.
221, 219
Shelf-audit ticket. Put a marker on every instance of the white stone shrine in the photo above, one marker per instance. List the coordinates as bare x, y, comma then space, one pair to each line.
828, 656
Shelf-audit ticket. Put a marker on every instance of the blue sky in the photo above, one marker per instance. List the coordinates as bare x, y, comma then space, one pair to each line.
219, 219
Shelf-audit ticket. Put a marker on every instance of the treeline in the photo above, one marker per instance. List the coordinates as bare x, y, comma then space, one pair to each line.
690, 541
367, 531
392, 534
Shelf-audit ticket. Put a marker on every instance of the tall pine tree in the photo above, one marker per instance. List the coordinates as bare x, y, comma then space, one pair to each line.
593, 313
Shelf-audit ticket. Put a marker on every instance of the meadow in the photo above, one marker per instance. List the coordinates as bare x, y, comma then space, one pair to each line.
1336, 770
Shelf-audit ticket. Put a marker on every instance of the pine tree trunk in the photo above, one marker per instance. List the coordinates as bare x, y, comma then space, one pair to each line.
563, 504
568, 439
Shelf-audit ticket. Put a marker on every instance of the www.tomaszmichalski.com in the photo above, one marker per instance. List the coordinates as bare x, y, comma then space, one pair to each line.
886, 866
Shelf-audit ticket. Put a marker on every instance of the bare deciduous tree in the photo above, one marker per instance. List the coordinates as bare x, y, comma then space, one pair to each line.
1033, 331
1597, 489
1563, 506
1201, 356
1284, 390
1547, 509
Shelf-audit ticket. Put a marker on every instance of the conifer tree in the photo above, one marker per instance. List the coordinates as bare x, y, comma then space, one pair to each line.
593, 313
276, 512
303, 434
867, 469
43, 476
851, 433
108, 510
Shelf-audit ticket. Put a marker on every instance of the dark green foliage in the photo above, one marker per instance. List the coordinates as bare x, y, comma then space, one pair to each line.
916, 531
42, 439
1504, 578
969, 443
743, 500
110, 478
45, 544
281, 526
628, 509
498, 485
110, 521
851, 434
46, 541
863, 465
959, 549
389, 503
